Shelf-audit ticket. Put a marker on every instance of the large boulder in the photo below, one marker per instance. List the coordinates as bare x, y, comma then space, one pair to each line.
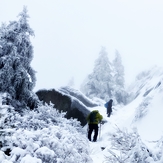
66, 100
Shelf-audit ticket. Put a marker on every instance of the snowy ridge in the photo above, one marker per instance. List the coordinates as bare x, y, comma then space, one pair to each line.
146, 82
142, 117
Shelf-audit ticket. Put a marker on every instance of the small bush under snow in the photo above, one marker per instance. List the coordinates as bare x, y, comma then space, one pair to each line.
127, 147
43, 136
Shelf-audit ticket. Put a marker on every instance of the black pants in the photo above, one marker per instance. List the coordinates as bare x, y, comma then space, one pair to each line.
109, 110
109, 114
93, 127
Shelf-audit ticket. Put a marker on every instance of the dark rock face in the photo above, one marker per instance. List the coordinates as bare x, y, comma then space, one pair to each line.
66, 103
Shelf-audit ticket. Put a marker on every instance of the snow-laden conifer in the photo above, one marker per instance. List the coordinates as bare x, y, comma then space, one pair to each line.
17, 76
99, 82
119, 93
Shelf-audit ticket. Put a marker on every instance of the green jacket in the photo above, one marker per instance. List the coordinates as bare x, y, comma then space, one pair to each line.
97, 117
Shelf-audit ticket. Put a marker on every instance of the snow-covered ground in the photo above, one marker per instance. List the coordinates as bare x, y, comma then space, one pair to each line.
118, 119
149, 128
144, 113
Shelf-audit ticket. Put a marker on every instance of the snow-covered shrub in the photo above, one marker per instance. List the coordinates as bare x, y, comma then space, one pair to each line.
28, 158
128, 148
17, 153
141, 111
44, 135
2, 156
45, 154
159, 150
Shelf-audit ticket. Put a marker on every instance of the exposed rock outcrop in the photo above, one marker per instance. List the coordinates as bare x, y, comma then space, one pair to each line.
74, 104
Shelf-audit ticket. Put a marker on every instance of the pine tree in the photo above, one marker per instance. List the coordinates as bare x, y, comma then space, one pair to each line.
17, 76
99, 82
118, 70
119, 92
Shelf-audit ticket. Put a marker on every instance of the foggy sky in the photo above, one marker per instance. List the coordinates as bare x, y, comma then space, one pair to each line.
69, 35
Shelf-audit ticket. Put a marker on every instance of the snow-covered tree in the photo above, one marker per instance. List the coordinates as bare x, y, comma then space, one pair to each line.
99, 82
16, 53
119, 92
118, 70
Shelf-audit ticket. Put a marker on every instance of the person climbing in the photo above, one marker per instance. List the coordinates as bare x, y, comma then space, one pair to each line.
109, 107
93, 119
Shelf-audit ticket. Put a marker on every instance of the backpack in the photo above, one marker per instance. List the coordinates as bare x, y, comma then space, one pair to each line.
92, 117
106, 105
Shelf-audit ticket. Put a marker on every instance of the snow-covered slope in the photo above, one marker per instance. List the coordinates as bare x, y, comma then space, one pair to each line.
145, 113
148, 104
